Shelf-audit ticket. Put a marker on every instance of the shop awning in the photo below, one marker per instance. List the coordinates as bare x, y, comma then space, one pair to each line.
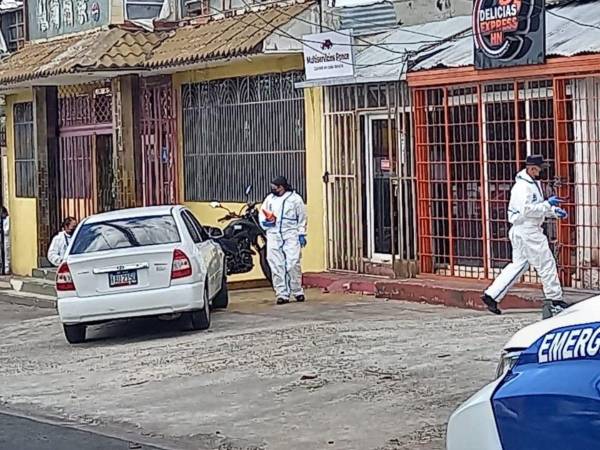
384, 57
577, 32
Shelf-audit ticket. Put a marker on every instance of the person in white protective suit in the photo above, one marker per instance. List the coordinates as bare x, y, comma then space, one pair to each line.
60, 242
527, 211
283, 217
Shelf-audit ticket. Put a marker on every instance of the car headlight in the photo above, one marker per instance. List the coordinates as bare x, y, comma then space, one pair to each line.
507, 362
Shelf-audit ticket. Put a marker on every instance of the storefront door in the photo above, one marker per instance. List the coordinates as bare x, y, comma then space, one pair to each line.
381, 187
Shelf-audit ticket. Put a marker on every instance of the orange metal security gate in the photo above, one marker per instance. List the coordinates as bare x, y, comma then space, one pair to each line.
471, 140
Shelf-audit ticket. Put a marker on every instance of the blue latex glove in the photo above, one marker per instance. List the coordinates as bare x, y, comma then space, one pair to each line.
560, 213
302, 240
266, 224
555, 201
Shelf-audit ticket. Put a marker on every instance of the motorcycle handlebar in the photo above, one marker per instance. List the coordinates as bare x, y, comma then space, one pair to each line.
232, 215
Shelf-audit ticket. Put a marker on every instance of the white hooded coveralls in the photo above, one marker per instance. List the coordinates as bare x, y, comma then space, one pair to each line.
283, 245
58, 248
527, 211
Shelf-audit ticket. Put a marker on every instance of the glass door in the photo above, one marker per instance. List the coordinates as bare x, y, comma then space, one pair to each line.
381, 187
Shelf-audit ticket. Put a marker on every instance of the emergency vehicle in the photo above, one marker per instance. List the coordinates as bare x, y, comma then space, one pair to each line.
546, 395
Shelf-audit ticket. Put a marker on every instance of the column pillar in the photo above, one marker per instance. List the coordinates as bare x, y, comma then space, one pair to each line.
127, 148
45, 119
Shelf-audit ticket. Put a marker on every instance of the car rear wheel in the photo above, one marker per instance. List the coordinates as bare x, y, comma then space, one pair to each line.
222, 299
75, 334
201, 319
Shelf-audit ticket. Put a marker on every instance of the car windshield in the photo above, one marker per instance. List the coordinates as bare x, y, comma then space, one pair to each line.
125, 233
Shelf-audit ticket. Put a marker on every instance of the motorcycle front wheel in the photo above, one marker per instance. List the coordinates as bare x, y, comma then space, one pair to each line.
264, 264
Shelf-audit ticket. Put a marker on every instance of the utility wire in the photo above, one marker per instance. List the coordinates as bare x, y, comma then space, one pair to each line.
576, 22
275, 29
402, 55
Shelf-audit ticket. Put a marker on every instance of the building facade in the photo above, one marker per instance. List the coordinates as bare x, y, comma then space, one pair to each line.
474, 129
190, 112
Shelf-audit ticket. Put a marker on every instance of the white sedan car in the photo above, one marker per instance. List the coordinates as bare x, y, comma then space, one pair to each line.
140, 262
547, 392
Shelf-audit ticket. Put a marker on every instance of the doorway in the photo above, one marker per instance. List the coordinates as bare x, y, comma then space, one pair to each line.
381, 187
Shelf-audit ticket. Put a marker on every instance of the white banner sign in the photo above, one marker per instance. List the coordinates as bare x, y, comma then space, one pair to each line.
328, 55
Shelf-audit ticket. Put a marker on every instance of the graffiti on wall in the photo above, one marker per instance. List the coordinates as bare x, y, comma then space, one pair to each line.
54, 18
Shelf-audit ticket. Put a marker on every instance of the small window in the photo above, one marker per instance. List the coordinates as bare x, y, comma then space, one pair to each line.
191, 227
25, 161
143, 9
125, 233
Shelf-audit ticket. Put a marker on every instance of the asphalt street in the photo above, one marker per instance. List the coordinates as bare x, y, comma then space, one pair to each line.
26, 434
337, 372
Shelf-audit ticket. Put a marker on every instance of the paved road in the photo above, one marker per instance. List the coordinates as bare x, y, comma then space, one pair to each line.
10, 313
26, 434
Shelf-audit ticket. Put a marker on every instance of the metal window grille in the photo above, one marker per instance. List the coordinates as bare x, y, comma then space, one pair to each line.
25, 161
470, 143
15, 38
243, 131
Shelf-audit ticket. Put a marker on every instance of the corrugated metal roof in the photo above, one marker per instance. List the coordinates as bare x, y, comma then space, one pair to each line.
368, 19
105, 49
386, 58
564, 37
239, 35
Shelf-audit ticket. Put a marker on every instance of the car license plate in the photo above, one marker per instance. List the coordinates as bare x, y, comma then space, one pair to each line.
122, 278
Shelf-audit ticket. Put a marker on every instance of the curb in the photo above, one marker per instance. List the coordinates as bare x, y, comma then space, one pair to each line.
27, 300
459, 294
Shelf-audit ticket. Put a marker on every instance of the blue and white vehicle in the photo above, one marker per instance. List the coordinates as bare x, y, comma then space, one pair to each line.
547, 392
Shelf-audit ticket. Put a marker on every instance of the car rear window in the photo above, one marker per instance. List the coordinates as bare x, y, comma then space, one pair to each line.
125, 233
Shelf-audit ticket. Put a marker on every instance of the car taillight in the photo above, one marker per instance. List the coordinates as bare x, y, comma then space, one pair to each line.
182, 267
64, 280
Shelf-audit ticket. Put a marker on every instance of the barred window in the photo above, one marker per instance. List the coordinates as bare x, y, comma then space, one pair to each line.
25, 173
243, 131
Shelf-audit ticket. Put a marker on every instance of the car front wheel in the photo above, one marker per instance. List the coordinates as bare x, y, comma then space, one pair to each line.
75, 334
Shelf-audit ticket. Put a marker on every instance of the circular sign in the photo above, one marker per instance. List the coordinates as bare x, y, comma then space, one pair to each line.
501, 27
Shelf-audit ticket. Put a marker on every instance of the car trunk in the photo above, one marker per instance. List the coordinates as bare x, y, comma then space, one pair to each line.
124, 270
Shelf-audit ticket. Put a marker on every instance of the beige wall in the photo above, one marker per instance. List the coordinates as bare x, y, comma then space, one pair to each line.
22, 211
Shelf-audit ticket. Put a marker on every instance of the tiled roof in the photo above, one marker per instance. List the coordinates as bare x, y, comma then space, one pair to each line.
238, 35
100, 50
121, 48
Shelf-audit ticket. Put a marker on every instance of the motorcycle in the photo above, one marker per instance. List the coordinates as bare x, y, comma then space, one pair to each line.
242, 238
